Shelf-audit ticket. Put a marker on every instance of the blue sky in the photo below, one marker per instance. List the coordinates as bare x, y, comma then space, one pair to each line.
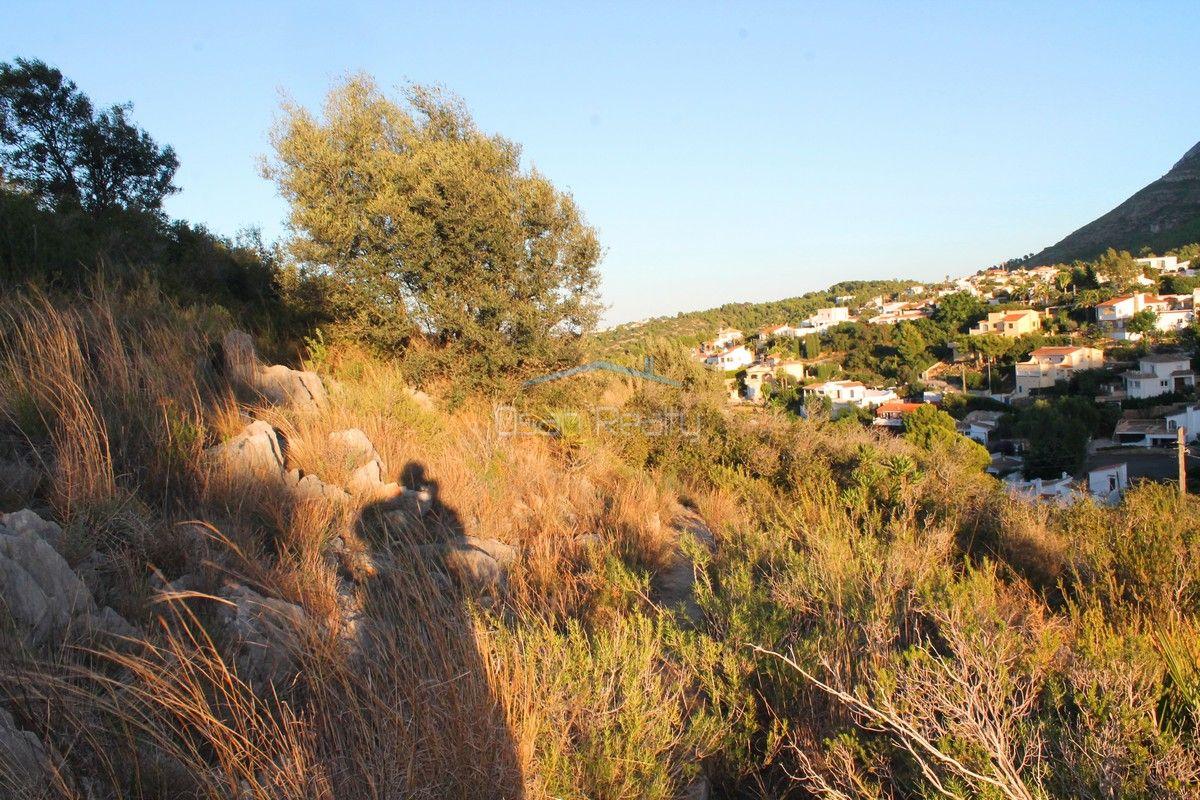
724, 151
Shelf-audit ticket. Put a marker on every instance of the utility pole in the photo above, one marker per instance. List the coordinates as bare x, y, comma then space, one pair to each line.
1181, 446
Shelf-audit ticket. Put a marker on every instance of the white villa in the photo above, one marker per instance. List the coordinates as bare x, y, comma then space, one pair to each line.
1048, 365
1008, 323
979, 425
850, 393
767, 371
1063, 491
1165, 264
1107, 483
1159, 374
730, 359
824, 319
725, 337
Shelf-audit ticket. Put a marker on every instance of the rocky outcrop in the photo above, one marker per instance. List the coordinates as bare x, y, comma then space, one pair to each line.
25, 768
481, 563
266, 631
42, 595
255, 453
278, 383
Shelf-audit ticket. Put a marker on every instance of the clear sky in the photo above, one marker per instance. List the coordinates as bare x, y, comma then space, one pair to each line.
725, 152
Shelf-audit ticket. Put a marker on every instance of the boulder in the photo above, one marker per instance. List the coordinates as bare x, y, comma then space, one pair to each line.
26, 521
284, 386
254, 453
310, 487
266, 631
369, 476
355, 445
421, 399
41, 592
279, 384
481, 563
25, 769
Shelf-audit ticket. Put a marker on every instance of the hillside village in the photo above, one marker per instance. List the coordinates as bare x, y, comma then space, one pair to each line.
1077, 379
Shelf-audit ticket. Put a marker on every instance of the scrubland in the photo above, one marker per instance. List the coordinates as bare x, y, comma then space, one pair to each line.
757, 606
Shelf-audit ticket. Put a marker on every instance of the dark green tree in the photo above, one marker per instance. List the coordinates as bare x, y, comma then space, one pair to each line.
56, 147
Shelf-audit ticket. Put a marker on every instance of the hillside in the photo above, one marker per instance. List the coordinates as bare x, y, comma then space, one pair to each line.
1161, 216
692, 327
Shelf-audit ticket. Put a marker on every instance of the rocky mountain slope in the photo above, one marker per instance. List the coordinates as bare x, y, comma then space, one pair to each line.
1163, 215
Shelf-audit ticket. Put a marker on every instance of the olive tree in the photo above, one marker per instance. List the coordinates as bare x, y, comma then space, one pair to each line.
426, 228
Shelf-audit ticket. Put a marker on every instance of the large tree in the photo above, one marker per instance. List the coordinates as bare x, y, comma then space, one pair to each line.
55, 146
425, 225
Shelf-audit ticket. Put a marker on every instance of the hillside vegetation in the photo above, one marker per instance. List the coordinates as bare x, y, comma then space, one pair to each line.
385, 568
689, 328
778, 605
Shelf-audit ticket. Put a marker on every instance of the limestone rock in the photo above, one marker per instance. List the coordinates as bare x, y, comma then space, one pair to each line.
108, 623
254, 453
267, 632
37, 586
25, 769
26, 521
277, 383
310, 487
481, 563
423, 400
285, 386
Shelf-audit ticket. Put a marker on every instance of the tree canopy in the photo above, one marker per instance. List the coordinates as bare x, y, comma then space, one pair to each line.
426, 226
56, 147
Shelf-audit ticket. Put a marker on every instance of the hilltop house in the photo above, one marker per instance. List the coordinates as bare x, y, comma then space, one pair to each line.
1159, 374
1144, 433
1188, 418
1116, 312
893, 313
824, 319
1048, 365
1008, 323
729, 359
1063, 491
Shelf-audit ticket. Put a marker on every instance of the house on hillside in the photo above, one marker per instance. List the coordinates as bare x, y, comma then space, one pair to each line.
823, 320
726, 337
839, 392
1063, 491
1186, 417
1108, 482
979, 425
778, 332
1116, 312
769, 372
1144, 433
1048, 365
903, 312
730, 359
1167, 265
891, 414
1159, 374
1008, 323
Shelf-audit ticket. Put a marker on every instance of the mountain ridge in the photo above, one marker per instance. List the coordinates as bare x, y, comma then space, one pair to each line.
1163, 214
